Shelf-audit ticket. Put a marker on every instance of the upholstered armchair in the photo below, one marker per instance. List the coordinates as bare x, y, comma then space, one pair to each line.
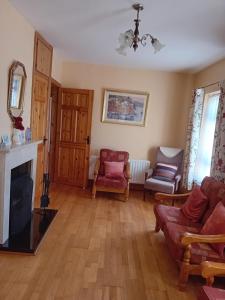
166, 174
112, 173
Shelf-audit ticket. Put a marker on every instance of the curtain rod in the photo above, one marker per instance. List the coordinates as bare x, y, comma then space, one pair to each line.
203, 87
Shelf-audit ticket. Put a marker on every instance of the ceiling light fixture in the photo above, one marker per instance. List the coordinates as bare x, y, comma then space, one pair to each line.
131, 38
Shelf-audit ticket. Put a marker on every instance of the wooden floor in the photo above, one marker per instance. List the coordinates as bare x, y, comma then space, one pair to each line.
100, 249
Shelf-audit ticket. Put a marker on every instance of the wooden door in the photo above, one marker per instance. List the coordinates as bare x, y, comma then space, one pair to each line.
73, 136
40, 102
55, 90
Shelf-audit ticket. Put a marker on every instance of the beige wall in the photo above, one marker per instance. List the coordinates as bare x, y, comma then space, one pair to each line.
167, 109
57, 62
213, 73
17, 40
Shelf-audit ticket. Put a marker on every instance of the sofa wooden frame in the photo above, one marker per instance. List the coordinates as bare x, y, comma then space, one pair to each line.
187, 239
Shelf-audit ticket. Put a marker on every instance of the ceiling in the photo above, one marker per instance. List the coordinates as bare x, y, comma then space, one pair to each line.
88, 30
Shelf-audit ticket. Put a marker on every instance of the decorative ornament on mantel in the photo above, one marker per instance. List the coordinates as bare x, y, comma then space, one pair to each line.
131, 38
18, 131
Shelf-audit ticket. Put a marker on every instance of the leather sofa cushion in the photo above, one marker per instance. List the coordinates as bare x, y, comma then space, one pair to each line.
211, 293
172, 214
195, 206
215, 224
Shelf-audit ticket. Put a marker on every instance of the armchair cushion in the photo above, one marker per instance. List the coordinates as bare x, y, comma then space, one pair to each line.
165, 172
114, 183
114, 169
160, 185
215, 224
199, 251
195, 206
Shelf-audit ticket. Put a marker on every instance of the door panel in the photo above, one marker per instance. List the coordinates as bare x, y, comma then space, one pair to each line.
67, 124
74, 129
40, 103
55, 88
79, 168
65, 161
82, 122
43, 58
39, 107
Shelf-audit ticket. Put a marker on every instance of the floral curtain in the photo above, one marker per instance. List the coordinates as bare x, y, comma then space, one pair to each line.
192, 139
218, 154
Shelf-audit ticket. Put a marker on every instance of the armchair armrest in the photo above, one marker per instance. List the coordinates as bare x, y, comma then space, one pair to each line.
148, 173
97, 166
190, 238
127, 171
177, 181
161, 197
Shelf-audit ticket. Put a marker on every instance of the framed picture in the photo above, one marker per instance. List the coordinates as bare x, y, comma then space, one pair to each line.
125, 107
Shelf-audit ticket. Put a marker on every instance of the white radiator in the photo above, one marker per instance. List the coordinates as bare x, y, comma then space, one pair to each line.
138, 168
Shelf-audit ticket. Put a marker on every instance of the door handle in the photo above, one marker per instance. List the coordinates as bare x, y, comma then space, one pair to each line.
88, 140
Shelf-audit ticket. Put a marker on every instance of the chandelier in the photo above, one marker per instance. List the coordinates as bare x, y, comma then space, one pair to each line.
131, 38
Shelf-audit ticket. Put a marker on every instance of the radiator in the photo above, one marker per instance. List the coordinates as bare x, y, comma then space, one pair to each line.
138, 168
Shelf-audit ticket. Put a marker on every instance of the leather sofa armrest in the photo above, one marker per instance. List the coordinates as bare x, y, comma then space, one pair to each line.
161, 197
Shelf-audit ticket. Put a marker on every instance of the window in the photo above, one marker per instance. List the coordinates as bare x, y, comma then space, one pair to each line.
208, 123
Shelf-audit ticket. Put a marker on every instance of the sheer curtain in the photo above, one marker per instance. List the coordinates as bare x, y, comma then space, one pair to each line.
192, 138
205, 146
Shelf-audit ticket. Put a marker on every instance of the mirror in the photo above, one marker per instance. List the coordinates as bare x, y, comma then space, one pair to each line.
17, 80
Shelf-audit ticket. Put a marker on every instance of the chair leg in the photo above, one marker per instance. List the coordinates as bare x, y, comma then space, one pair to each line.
157, 226
144, 196
184, 269
183, 278
93, 191
127, 194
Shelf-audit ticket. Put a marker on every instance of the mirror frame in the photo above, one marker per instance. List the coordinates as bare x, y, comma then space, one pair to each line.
12, 69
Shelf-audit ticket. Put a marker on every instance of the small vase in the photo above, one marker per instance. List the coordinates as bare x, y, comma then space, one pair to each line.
17, 137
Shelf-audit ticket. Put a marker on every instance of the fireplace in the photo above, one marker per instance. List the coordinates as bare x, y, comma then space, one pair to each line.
14, 161
21, 191
22, 227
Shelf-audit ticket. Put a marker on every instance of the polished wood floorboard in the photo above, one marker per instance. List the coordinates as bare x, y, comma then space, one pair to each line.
101, 249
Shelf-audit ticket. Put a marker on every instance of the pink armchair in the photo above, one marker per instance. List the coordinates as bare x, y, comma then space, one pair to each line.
107, 178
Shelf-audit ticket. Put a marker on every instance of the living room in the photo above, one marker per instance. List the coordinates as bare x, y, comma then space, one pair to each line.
103, 248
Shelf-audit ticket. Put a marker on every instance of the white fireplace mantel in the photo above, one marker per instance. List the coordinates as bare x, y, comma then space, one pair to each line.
12, 157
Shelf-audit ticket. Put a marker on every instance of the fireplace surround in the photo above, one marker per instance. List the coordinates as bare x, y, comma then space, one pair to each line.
11, 158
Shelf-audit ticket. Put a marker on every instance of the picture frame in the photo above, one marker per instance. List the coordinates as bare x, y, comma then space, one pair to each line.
125, 107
